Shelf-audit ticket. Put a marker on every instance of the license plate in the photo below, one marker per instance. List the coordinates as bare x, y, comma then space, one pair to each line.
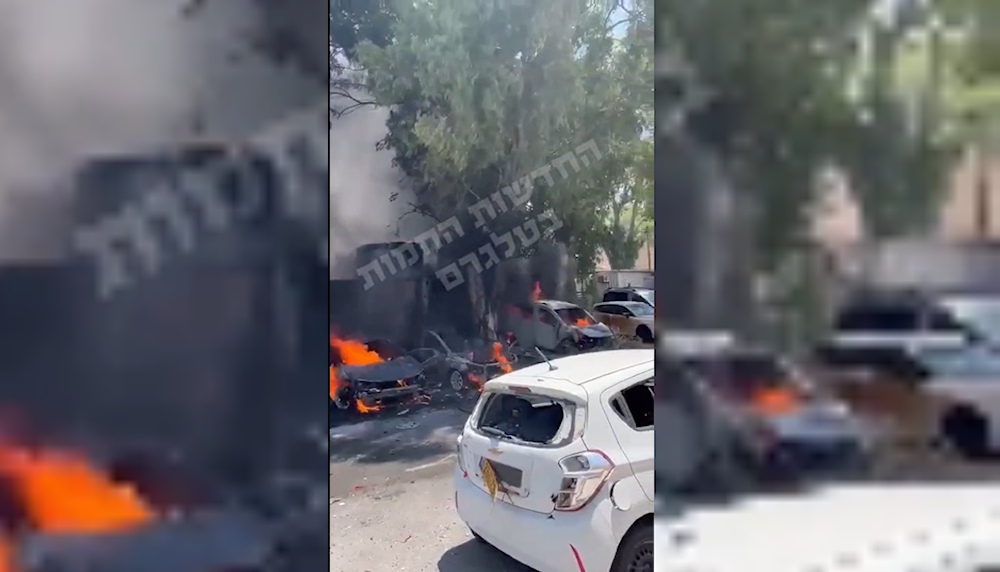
489, 478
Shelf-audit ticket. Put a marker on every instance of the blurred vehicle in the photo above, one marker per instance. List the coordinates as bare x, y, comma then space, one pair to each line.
555, 464
627, 318
559, 327
463, 363
796, 428
871, 325
630, 294
371, 375
967, 381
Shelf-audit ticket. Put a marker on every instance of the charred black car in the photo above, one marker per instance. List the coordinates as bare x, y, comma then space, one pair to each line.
396, 379
462, 363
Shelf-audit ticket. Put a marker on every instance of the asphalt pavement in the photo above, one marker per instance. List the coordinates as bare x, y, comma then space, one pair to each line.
392, 501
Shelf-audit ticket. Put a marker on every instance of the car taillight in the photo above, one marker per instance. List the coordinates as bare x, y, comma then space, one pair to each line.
583, 476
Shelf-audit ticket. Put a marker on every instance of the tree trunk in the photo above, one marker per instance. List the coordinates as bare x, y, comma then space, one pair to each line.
481, 304
693, 236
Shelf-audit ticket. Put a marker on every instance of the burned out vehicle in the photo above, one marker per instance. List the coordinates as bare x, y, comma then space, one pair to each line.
461, 362
557, 326
367, 376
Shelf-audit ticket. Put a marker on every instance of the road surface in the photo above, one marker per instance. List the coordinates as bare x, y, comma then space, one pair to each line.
391, 498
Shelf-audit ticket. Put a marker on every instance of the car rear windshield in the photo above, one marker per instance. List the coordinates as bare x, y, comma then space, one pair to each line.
537, 420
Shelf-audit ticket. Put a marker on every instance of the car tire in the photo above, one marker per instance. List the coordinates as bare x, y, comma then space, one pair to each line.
644, 334
456, 380
635, 554
966, 432
478, 538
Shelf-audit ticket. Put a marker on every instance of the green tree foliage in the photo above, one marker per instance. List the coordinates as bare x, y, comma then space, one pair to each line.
484, 92
768, 86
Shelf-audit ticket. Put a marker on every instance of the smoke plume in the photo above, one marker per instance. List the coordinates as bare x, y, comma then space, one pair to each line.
94, 77
362, 182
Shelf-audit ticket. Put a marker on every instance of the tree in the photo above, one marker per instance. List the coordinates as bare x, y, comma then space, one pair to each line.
351, 24
482, 93
629, 221
773, 105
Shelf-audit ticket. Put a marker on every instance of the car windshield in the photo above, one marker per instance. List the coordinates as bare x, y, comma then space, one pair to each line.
964, 364
981, 314
640, 309
575, 316
647, 295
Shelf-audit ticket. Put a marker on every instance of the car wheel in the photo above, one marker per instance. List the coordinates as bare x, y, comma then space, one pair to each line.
635, 554
456, 380
966, 432
644, 335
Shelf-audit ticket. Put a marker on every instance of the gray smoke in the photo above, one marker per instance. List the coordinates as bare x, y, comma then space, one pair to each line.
362, 182
94, 77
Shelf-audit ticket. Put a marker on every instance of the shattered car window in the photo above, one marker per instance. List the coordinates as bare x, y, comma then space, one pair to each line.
533, 419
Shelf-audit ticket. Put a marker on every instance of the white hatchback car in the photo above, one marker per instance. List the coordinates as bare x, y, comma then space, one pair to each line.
555, 464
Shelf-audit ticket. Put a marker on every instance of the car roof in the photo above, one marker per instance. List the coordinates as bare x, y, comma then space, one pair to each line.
557, 304
625, 303
629, 289
584, 369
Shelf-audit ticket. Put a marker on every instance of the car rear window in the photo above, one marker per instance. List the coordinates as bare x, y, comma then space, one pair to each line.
533, 419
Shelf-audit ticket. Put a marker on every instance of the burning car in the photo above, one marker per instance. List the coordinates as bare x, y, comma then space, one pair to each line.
60, 511
794, 427
365, 376
558, 326
463, 363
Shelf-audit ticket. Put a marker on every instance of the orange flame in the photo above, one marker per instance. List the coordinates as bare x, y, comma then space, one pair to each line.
362, 408
6, 556
582, 322
477, 381
62, 493
774, 402
353, 352
350, 352
536, 292
500, 358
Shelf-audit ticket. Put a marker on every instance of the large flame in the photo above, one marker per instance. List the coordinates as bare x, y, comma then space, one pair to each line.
500, 358
350, 352
60, 492
63, 493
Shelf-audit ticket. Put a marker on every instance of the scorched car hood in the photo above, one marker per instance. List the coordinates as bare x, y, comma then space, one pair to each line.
391, 370
596, 331
854, 528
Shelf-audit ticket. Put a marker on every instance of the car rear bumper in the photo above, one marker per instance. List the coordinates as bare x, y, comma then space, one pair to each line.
581, 541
